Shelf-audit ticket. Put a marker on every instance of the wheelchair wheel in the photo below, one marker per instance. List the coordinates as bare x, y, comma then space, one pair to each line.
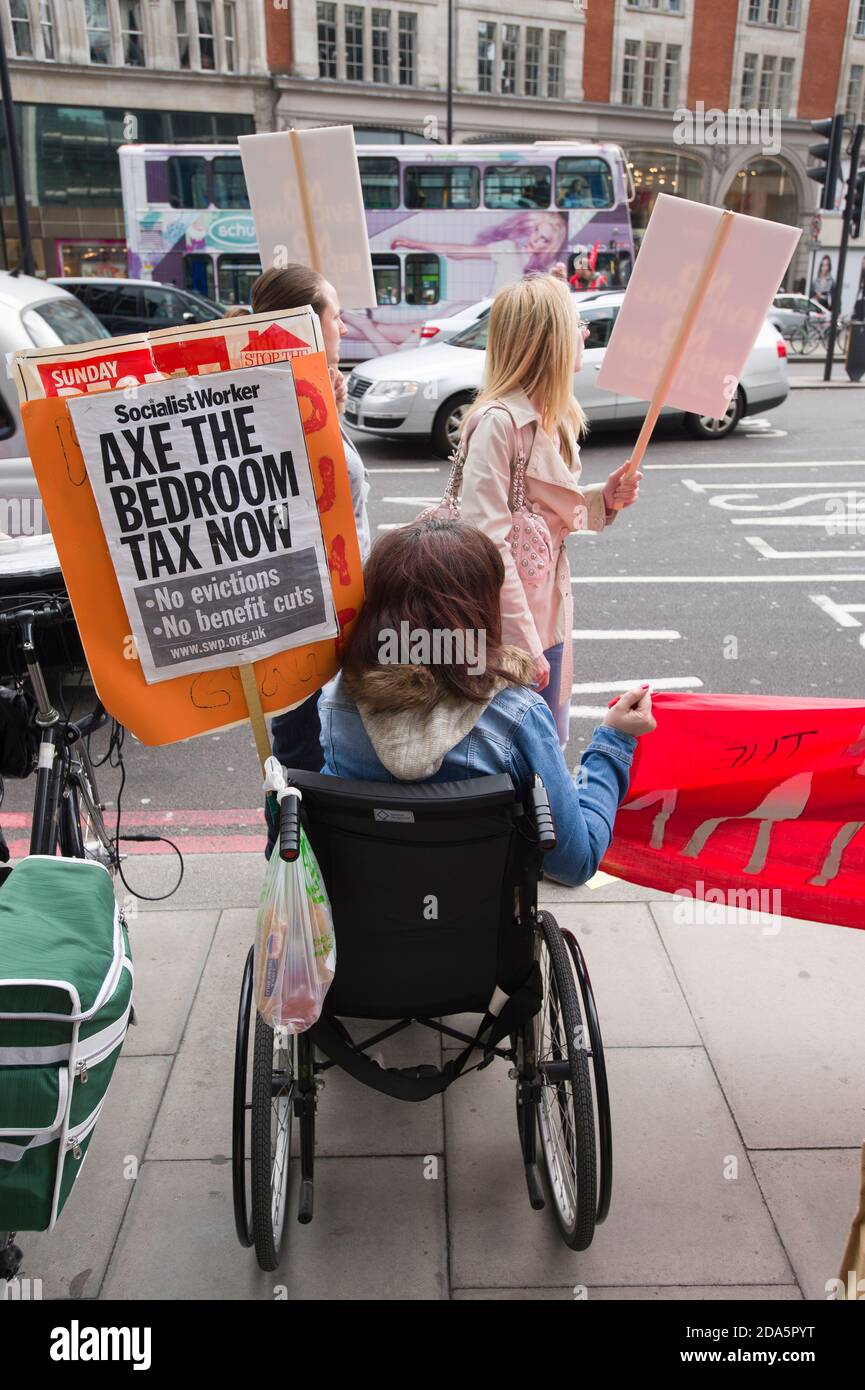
274, 1077
565, 1115
240, 1108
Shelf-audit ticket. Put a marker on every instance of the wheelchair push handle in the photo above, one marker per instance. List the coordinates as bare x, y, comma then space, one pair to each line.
289, 828
542, 816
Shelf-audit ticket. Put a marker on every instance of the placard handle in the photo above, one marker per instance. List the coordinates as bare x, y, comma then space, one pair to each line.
306, 208
256, 712
676, 353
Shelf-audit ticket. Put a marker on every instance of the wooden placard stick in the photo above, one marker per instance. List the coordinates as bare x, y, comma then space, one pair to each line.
305, 205
677, 351
256, 712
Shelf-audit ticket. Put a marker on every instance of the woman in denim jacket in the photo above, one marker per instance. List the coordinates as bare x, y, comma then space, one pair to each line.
428, 693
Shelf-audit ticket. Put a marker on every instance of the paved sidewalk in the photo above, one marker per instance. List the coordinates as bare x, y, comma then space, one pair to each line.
738, 1088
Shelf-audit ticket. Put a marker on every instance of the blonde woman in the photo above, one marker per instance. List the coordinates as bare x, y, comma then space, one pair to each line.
526, 423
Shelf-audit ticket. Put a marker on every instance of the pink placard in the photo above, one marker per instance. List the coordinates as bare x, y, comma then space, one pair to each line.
672, 253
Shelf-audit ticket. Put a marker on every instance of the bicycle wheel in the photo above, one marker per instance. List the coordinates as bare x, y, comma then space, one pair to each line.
842, 338
241, 1106
566, 1124
798, 341
274, 1078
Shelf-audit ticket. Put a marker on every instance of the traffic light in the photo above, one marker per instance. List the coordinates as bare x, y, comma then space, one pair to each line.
854, 203
828, 170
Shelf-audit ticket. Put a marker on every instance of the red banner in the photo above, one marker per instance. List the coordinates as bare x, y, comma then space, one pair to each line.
755, 802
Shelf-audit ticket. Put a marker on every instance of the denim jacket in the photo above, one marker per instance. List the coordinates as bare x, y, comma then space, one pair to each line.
379, 732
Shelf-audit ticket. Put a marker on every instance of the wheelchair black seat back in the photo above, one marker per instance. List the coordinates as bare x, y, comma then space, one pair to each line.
433, 889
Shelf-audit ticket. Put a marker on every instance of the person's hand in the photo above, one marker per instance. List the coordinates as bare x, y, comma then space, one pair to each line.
632, 713
542, 672
620, 491
340, 389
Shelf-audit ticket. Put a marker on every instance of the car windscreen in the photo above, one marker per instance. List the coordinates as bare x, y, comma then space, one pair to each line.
474, 337
66, 319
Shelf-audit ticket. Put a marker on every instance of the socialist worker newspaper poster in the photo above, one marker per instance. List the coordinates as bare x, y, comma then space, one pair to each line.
207, 501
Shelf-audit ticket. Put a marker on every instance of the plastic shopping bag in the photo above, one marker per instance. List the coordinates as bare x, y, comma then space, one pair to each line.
295, 949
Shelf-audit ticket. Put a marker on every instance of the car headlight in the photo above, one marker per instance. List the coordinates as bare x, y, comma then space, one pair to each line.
390, 390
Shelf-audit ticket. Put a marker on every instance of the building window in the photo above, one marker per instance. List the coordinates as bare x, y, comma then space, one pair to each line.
206, 44
354, 43
785, 86
486, 55
754, 7
630, 72
853, 111
534, 41
556, 63
407, 48
767, 81
181, 25
672, 61
381, 45
650, 74
326, 39
749, 78
780, 13
21, 35
229, 25
860, 20
46, 24
131, 37
773, 11
792, 14
510, 46
98, 30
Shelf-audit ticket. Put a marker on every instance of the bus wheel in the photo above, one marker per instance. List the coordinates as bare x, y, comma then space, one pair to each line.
449, 422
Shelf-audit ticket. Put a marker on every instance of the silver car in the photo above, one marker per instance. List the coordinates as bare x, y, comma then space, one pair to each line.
426, 393
792, 311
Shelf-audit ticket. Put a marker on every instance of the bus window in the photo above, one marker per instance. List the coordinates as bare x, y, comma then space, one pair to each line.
236, 276
422, 279
583, 182
198, 275
440, 186
517, 186
187, 181
379, 179
385, 271
229, 185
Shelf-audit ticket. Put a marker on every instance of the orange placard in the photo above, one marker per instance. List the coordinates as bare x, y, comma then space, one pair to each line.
186, 706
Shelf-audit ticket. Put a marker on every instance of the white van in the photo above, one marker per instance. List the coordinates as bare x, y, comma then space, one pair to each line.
34, 313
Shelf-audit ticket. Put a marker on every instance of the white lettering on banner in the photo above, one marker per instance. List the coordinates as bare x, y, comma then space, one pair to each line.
207, 502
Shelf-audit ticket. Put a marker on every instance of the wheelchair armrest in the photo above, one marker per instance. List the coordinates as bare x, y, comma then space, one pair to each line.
542, 816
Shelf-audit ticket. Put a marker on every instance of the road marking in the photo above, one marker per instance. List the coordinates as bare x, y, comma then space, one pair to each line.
588, 711
390, 525
769, 553
410, 501
761, 487
661, 683
839, 611
853, 523
616, 634
421, 468
720, 579
788, 463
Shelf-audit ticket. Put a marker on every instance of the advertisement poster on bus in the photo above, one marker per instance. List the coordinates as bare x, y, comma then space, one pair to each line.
208, 506
446, 228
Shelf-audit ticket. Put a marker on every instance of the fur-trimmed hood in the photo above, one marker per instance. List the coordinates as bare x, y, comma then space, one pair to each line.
409, 725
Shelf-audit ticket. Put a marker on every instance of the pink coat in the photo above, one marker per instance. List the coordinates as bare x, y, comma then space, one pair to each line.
533, 618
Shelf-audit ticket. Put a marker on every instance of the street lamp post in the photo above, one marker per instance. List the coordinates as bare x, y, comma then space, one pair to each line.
450, 78
26, 260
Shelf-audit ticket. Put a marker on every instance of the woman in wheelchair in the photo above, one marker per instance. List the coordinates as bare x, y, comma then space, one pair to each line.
427, 691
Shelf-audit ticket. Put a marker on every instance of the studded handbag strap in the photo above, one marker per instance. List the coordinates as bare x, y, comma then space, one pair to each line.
453, 487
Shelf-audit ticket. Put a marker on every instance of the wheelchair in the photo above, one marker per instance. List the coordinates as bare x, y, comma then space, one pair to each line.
433, 889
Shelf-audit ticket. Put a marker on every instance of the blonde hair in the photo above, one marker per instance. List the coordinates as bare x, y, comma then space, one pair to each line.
531, 347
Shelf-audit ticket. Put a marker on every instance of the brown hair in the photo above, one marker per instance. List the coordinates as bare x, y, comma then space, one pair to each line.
289, 288
435, 575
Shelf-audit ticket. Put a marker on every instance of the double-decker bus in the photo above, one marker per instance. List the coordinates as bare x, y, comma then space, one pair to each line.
448, 225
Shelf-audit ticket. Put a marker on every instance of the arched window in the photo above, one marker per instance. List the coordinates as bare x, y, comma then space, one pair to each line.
764, 188
660, 171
